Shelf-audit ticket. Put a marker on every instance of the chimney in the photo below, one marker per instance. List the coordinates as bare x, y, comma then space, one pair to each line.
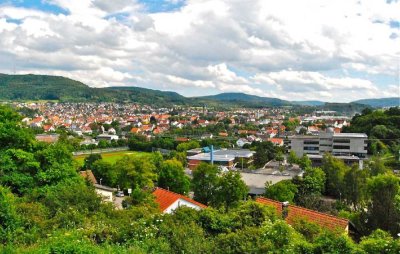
285, 209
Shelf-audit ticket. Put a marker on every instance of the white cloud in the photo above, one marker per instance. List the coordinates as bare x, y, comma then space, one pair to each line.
272, 48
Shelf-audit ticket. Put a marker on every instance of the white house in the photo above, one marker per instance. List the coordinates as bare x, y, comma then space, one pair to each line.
105, 192
169, 201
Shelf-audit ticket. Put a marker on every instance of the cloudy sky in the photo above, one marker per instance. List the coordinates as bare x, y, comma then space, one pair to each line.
339, 50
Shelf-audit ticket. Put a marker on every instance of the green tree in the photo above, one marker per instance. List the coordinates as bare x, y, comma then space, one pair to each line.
334, 169
9, 219
380, 242
310, 187
56, 164
355, 187
18, 170
183, 147
230, 190
89, 160
135, 172
383, 190
172, 176
106, 172
282, 191
376, 166
304, 162
12, 133
265, 151
292, 158
279, 157
204, 183
313, 182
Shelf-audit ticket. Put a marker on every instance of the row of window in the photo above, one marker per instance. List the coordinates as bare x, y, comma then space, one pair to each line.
341, 147
307, 142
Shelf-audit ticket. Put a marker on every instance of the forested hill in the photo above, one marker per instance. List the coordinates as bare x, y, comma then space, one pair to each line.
246, 99
43, 87
379, 103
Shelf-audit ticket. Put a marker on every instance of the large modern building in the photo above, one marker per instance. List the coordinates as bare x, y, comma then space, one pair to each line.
241, 158
339, 144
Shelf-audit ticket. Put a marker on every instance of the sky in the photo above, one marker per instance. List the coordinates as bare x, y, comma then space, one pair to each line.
337, 51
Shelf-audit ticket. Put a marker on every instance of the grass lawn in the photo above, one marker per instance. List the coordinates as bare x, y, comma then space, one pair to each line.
111, 157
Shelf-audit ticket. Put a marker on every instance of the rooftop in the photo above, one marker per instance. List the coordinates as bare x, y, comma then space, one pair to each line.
304, 137
242, 153
296, 213
350, 135
103, 187
222, 155
166, 198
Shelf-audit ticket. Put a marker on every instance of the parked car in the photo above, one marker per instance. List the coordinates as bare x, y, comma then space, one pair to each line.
120, 194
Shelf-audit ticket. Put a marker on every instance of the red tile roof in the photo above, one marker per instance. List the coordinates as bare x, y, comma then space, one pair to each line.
88, 175
324, 220
277, 141
166, 198
295, 213
182, 139
269, 202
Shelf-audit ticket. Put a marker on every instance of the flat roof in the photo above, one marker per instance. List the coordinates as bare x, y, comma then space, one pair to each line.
223, 155
256, 182
206, 157
304, 137
242, 153
350, 135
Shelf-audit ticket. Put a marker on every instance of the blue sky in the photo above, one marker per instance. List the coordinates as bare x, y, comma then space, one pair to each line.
316, 50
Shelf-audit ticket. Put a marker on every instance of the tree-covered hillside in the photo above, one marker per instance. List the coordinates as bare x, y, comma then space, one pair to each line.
246, 100
382, 128
43, 87
380, 103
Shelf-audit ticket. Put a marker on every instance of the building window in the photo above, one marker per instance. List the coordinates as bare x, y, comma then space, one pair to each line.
341, 147
309, 142
342, 141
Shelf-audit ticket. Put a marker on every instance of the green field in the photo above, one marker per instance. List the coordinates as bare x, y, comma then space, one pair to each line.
111, 157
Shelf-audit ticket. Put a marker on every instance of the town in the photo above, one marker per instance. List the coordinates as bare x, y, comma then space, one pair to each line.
303, 166
199, 126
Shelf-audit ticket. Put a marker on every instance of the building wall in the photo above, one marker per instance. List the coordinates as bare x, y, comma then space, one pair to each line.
356, 146
107, 195
192, 164
303, 146
297, 146
327, 143
181, 202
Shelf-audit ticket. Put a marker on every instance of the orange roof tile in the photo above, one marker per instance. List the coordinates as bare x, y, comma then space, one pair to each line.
166, 198
269, 202
295, 213
88, 175
324, 220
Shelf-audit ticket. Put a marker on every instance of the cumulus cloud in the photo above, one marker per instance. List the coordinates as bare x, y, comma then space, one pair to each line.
331, 50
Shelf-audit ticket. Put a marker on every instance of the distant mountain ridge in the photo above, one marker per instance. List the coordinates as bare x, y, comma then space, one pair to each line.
308, 103
380, 103
45, 87
246, 99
